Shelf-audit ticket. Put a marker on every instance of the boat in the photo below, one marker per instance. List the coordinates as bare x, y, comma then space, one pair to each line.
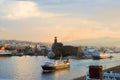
101, 55
58, 64
4, 52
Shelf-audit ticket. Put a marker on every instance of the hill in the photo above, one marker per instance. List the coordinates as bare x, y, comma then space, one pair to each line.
106, 41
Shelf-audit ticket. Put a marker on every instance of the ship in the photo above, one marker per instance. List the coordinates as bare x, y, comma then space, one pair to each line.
101, 55
56, 65
4, 52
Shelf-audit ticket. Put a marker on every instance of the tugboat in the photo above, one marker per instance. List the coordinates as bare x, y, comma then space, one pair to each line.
59, 64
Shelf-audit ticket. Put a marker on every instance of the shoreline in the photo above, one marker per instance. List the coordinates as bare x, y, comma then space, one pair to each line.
115, 69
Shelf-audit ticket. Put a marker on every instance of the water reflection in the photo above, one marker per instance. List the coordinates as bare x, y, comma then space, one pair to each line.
55, 73
5, 56
61, 71
26, 68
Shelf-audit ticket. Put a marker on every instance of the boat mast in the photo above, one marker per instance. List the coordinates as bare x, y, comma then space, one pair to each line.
61, 57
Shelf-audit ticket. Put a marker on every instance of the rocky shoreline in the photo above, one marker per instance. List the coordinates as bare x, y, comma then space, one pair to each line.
115, 69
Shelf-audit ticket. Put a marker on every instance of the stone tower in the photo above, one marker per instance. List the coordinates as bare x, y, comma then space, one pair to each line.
56, 47
55, 40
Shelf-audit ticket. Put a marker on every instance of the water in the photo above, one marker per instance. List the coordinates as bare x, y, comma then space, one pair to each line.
29, 68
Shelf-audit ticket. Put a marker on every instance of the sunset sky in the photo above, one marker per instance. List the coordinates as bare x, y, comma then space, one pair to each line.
42, 20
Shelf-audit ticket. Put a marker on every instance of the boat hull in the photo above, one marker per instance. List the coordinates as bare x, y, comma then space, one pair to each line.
101, 57
3, 55
45, 67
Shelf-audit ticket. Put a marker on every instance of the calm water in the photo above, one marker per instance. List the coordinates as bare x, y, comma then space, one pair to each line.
29, 68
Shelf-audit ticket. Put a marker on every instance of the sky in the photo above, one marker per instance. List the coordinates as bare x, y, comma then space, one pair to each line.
42, 20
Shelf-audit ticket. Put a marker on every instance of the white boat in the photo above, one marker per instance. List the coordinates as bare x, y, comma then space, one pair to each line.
59, 64
101, 55
5, 53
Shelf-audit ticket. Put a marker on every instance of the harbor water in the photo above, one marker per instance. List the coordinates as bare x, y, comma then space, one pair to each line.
29, 68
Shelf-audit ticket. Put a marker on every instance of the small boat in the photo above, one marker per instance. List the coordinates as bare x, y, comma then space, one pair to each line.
59, 64
101, 56
4, 52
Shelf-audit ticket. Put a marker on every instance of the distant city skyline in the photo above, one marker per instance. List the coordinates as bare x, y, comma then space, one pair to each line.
42, 20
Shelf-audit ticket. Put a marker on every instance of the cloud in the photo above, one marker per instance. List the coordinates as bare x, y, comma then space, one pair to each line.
54, 2
2, 29
23, 9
